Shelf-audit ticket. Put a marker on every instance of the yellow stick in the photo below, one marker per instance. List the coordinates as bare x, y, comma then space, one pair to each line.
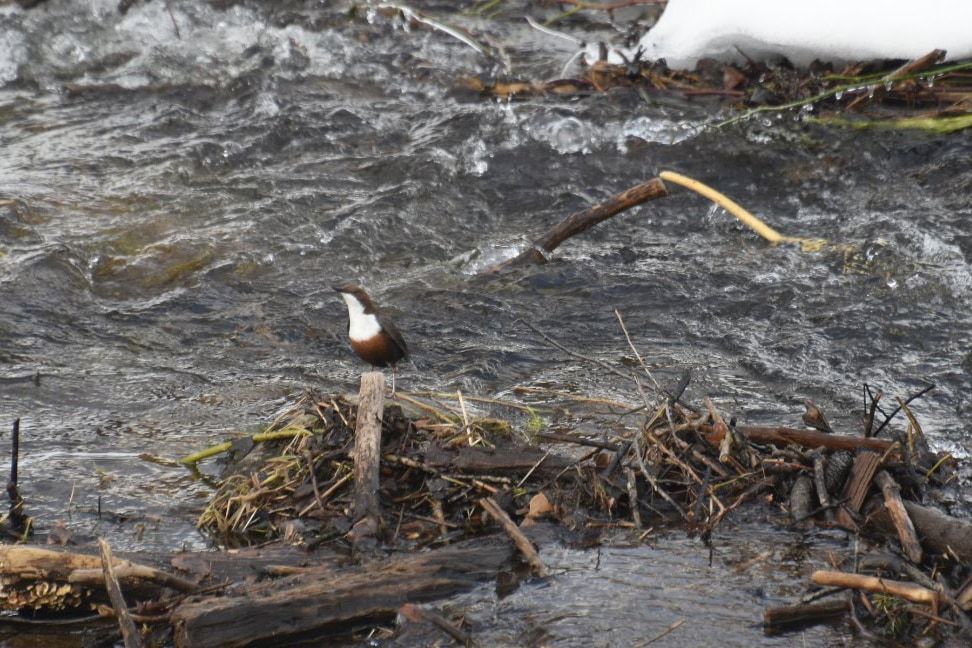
260, 437
750, 221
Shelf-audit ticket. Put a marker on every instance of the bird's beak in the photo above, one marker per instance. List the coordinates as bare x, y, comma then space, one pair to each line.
337, 289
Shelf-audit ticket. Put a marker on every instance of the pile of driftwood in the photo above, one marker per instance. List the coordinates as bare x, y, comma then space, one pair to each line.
350, 492
338, 498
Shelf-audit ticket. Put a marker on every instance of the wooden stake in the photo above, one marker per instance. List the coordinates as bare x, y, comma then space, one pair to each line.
366, 509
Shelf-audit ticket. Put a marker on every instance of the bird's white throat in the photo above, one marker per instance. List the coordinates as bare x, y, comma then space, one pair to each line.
362, 326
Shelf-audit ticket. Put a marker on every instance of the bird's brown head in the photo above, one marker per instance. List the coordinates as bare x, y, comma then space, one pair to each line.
358, 293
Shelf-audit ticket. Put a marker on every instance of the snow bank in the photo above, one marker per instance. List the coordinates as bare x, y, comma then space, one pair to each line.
804, 30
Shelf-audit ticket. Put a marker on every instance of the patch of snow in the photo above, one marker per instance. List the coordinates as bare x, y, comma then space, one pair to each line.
829, 30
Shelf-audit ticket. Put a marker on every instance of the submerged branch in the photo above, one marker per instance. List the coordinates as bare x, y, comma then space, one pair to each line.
582, 221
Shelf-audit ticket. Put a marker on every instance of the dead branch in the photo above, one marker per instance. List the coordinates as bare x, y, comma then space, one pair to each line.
583, 221
521, 541
784, 436
901, 589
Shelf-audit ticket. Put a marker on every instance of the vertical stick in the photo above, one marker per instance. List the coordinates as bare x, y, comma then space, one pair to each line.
367, 451
18, 520
14, 451
819, 465
629, 476
129, 630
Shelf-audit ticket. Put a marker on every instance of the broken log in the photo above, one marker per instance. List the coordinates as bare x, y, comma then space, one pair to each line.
34, 578
322, 601
807, 438
899, 516
938, 532
582, 221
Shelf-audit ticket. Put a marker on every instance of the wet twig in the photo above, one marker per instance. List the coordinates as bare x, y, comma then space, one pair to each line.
521, 541
20, 524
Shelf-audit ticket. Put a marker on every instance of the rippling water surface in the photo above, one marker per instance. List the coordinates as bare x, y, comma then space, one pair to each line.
180, 186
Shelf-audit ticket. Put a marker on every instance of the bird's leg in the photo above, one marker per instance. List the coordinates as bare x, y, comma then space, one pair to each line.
393, 380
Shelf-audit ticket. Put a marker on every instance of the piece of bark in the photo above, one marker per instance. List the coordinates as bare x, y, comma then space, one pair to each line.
806, 438
820, 482
801, 498
325, 600
865, 466
901, 589
367, 454
521, 541
583, 221
836, 470
130, 635
899, 515
775, 617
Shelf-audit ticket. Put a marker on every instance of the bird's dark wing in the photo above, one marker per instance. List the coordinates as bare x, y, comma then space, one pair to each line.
389, 327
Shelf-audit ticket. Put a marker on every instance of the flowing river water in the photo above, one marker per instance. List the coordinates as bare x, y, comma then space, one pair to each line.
181, 185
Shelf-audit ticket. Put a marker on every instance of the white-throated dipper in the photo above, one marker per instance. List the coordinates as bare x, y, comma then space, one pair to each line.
373, 336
